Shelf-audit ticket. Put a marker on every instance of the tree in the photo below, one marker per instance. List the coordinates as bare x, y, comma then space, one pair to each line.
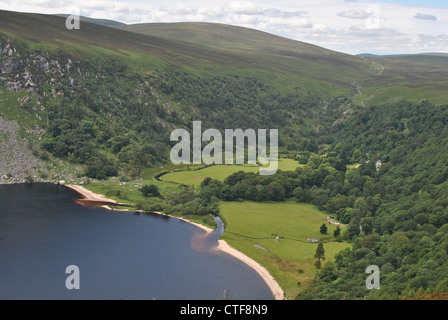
251, 193
323, 229
329, 272
337, 232
320, 254
206, 182
150, 189
337, 204
300, 194
275, 191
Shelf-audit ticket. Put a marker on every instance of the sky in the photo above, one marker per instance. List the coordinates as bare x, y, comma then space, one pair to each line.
349, 26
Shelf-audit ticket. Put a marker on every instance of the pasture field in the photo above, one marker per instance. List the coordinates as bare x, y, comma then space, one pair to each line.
220, 172
250, 227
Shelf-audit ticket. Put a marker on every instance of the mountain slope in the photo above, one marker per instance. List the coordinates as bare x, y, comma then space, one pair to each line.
274, 53
407, 77
51, 29
390, 78
232, 37
107, 99
101, 22
286, 63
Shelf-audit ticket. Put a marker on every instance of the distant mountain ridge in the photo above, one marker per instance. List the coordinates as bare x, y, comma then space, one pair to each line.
442, 54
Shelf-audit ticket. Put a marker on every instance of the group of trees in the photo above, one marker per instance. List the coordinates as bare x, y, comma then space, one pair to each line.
189, 202
353, 196
150, 190
243, 185
123, 123
405, 232
106, 119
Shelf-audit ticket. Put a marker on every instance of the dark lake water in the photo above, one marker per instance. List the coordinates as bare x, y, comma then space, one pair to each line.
120, 255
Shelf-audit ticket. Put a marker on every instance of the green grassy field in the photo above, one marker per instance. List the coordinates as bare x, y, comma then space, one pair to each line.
220, 172
195, 177
290, 260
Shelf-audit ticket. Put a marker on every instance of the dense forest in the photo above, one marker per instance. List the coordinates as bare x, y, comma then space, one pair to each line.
124, 126
404, 232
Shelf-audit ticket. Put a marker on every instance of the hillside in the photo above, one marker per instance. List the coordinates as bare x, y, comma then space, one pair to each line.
97, 106
412, 77
149, 84
284, 63
101, 22
391, 78
272, 53
51, 30
243, 39
139, 88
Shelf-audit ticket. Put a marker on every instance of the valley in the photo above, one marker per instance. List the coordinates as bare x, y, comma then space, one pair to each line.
363, 139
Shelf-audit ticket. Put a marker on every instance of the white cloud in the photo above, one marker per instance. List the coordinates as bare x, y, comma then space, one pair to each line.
243, 8
357, 13
273, 12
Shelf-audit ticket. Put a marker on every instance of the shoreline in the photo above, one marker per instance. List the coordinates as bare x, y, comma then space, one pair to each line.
277, 291
273, 285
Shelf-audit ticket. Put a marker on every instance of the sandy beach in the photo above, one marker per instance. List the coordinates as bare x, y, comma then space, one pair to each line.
277, 291
91, 197
223, 246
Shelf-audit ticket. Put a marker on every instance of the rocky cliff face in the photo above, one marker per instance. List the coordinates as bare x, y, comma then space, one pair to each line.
11, 68
25, 70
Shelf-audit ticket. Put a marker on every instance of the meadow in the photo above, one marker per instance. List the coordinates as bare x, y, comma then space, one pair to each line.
220, 172
252, 227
